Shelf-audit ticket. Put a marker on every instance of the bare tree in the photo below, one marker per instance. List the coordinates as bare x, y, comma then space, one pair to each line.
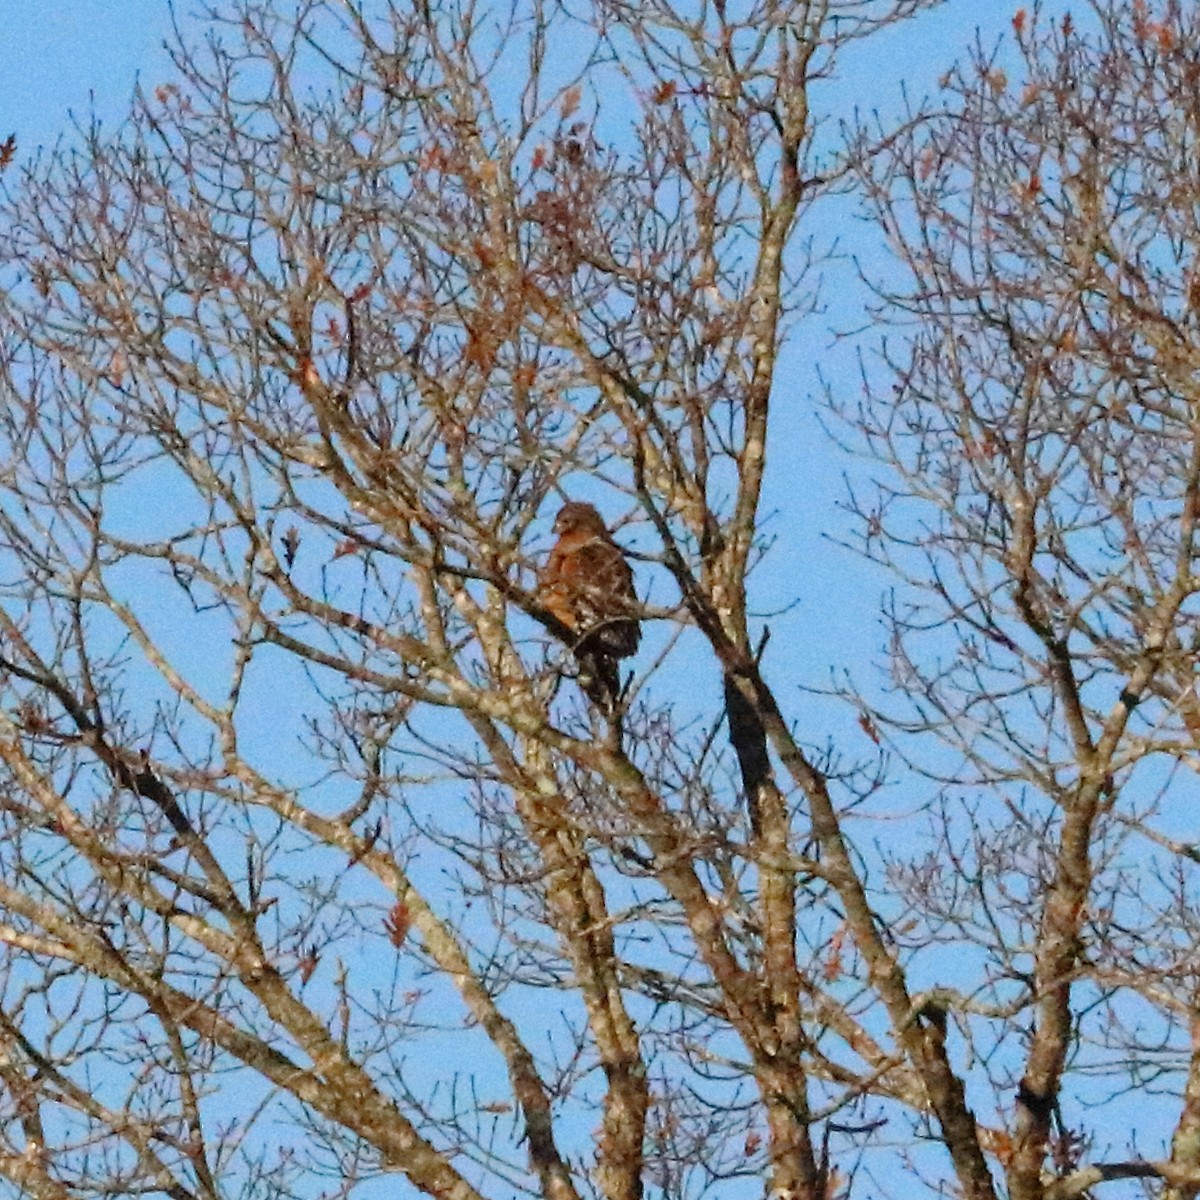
1040, 417
304, 803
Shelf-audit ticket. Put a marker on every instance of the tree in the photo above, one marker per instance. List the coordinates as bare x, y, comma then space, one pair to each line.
1040, 415
303, 803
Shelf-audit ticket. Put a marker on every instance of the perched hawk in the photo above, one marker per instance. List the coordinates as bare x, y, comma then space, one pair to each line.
587, 584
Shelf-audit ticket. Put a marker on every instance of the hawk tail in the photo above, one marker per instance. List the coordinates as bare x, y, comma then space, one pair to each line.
600, 681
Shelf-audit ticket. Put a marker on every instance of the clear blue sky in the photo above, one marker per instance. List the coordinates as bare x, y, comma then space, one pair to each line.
56, 55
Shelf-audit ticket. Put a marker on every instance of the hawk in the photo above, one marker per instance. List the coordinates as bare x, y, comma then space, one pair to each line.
588, 585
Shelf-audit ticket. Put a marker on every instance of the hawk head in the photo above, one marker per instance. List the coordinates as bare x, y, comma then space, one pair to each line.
577, 517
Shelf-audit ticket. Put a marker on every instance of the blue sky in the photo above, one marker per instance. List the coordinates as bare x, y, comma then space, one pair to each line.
57, 59
61, 57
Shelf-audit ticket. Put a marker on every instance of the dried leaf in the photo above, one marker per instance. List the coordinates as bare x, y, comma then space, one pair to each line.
983, 449
397, 924
665, 92
1018, 22
480, 350
496, 1106
997, 1142
868, 727
8, 148
33, 719
308, 964
434, 159
833, 968
570, 101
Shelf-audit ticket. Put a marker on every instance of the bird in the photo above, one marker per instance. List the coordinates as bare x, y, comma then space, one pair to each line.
587, 585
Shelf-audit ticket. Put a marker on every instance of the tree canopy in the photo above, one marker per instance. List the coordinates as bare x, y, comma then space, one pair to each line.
327, 869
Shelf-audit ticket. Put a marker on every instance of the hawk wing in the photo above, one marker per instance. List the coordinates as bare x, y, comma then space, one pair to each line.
588, 586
